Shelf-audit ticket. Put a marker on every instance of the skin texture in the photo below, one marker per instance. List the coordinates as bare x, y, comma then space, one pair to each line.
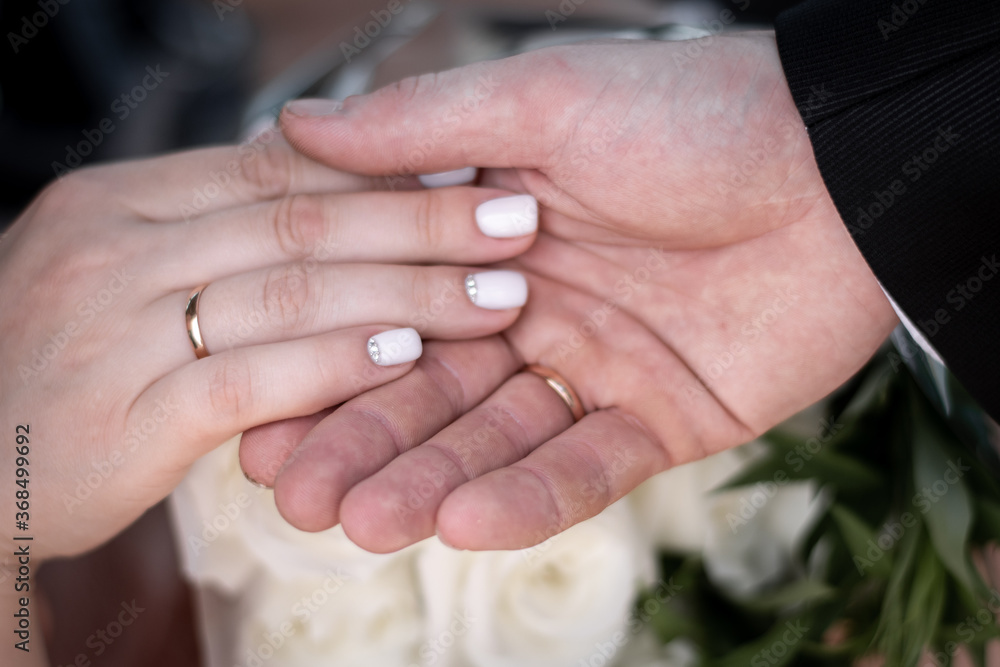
96, 276
692, 281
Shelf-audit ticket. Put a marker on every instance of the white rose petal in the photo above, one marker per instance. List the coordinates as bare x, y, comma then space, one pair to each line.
207, 513
674, 507
753, 537
332, 620
548, 606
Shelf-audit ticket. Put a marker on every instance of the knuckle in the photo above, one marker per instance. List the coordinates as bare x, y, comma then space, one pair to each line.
285, 297
267, 174
429, 215
422, 290
66, 194
409, 89
230, 387
298, 222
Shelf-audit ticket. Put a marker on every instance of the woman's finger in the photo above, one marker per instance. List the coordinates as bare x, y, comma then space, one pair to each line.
185, 186
367, 433
397, 506
291, 301
217, 397
572, 477
452, 225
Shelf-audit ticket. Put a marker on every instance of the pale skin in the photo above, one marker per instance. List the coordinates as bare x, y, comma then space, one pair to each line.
755, 304
303, 264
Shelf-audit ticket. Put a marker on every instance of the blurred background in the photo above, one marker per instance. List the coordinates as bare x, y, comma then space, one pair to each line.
89, 80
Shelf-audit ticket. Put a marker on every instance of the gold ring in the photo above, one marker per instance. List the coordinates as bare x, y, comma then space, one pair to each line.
561, 387
191, 317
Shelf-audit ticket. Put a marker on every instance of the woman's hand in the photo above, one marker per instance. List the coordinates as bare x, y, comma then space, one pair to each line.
693, 282
100, 378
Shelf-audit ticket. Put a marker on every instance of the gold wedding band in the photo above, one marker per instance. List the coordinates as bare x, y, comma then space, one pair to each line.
191, 317
561, 387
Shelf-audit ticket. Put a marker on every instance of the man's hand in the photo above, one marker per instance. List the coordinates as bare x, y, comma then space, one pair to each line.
693, 282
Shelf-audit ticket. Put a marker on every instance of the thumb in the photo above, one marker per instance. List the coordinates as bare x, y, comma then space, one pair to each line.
491, 114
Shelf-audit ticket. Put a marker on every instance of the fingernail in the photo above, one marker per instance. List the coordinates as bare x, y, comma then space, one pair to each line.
250, 479
497, 290
398, 346
447, 179
508, 217
314, 107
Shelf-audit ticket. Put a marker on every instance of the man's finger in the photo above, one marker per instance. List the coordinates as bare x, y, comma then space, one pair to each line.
368, 432
497, 114
570, 478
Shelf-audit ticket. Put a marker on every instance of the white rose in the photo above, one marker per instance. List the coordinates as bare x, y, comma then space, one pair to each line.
332, 620
229, 527
207, 509
289, 552
549, 606
755, 532
674, 508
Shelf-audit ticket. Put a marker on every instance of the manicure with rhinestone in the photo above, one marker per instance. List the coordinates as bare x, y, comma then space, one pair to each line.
394, 347
497, 290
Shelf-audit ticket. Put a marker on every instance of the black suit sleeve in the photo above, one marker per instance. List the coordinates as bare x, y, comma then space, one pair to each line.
902, 102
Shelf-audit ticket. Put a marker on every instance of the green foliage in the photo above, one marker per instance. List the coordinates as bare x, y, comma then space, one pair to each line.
895, 577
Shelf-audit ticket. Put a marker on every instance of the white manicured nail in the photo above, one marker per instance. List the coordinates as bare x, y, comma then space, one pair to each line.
508, 217
497, 290
447, 179
314, 107
398, 346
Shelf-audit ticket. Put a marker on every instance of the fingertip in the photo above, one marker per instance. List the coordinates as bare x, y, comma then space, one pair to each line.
500, 511
307, 499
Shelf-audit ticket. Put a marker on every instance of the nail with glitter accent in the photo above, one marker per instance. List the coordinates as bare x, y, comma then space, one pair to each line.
497, 290
447, 179
508, 217
398, 346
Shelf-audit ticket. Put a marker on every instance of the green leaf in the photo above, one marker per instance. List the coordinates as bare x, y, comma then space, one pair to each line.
923, 612
778, 647
801, 592
943, 499
860, 538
